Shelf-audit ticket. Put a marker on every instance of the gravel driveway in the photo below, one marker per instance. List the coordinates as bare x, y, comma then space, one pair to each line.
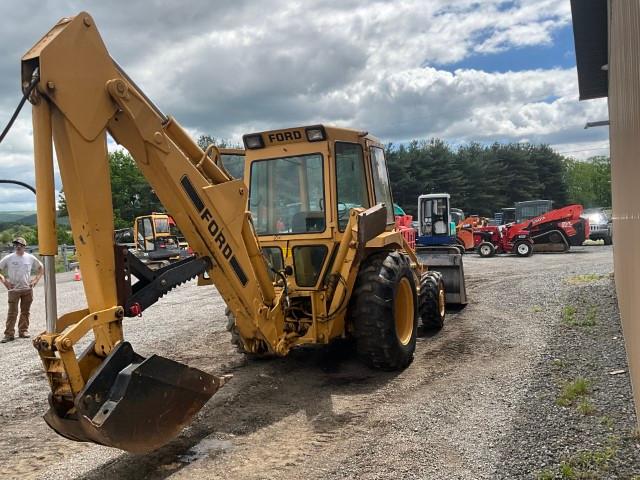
529, 381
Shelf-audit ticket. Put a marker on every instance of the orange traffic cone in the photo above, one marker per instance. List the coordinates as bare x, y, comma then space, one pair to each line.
76, 275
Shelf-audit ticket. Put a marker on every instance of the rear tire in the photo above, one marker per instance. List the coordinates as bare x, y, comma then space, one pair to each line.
384, 312
237, 341
608, 240
233, 330
486, 249
523, 249
432, 301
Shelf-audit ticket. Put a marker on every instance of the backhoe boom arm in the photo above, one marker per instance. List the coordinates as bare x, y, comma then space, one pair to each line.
81, 96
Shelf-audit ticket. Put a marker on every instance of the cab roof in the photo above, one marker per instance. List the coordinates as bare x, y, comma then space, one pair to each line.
309, 133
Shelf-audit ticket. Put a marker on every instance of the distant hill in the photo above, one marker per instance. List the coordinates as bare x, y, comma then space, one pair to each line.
25, 218
28, 220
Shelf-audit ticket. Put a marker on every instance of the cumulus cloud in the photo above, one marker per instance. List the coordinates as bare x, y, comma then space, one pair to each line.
228, 68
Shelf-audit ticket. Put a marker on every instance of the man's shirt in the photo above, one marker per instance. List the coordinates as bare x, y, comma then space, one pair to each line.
19, 268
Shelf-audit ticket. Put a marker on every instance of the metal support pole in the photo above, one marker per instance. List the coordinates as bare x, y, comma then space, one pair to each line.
50, 302
65, 259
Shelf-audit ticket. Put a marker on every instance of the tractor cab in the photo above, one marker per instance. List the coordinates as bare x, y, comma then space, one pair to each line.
457, 215
303, 183
157, 237
434, 220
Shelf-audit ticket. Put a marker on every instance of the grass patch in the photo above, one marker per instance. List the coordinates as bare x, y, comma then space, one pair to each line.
536, 309
585, 407
572, 391
590, 318
588, 464
570, 316
607, 422
586, 278
546, 475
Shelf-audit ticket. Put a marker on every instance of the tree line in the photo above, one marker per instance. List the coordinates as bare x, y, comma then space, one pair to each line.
481, 179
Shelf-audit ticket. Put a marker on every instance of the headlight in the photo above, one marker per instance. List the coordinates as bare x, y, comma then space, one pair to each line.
315, 134
253, 141
597, 218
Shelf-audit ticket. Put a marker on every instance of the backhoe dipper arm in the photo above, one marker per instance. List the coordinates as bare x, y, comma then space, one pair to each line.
81, 95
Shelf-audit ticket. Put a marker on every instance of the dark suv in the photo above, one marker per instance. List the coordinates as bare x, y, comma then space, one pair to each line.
599, 224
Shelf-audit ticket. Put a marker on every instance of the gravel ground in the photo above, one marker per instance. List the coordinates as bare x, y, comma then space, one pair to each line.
480, 400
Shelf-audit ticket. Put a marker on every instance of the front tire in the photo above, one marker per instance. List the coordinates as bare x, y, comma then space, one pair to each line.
384, 311
432, 302
523, 249
486, 249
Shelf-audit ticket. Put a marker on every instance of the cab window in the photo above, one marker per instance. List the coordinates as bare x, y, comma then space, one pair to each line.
234, 164
162, 225
351, 181
287, 195
381, 185
145, 234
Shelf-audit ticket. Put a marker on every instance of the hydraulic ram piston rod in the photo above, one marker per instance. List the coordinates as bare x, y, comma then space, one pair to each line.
46, 205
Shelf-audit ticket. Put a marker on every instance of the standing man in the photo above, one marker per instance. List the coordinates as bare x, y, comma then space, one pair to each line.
18, 281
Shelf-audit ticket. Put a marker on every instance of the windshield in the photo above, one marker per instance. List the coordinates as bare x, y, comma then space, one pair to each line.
434, 217
162, 225
287, 195
456, 215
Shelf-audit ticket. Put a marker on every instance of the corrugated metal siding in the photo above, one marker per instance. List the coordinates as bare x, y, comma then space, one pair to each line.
624, 116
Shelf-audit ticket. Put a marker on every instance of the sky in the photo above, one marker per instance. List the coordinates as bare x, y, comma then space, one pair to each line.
463, 71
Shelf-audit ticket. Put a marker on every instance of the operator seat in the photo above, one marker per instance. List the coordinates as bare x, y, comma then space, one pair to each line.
440, 228
312, 221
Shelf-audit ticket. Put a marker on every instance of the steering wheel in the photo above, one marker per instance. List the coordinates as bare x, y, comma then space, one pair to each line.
344, 212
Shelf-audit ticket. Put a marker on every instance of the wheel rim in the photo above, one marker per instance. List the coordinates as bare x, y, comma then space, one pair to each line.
403, 311
441, 300
485, 250
523, 249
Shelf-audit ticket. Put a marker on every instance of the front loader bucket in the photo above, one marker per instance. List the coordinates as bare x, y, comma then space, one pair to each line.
135, 404
447, 261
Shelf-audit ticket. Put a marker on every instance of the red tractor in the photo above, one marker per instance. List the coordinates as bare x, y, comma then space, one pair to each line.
493, 239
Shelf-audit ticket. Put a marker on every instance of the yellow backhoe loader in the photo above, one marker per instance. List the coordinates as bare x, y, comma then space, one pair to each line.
293, 265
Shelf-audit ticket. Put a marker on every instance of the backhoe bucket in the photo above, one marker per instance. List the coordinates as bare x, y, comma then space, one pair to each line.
133, 403
447, 261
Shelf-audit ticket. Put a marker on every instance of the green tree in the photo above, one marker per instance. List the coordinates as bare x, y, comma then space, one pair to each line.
62, 205
589, 181
131, 193
205, 140
481, 179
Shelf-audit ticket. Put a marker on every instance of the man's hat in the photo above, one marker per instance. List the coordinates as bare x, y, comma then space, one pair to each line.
20, 241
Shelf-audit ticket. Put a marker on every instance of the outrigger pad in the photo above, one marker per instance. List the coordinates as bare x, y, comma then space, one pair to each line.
135, 404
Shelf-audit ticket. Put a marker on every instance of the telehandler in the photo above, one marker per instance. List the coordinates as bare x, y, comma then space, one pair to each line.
293, 267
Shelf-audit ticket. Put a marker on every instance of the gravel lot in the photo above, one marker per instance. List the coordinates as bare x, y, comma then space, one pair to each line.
485, 398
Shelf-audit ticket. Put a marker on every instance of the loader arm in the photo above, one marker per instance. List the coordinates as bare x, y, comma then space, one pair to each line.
81, 96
